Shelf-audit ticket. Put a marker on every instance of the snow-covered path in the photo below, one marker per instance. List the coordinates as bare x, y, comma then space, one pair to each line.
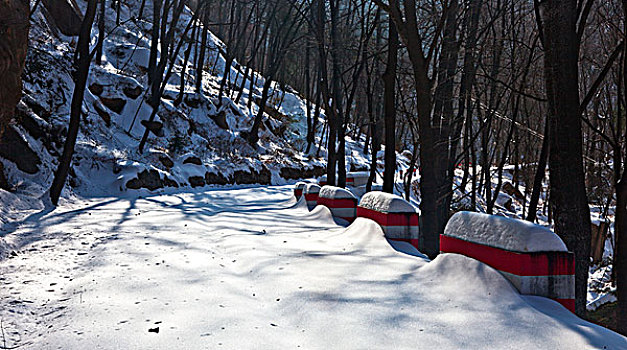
253, 269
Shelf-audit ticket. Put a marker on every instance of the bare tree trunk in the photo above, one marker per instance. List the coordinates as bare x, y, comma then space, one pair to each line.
389, 102
336, 127
620, 232
539, 177
80, 80
569, 200
101, 32
14, 19
200, 64
154, 46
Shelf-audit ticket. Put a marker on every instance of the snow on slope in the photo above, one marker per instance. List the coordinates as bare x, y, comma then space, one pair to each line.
252, 268
201, 143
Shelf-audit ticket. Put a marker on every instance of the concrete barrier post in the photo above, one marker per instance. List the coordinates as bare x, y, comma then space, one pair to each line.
397, 217
531, 257
340, 201
298, 189
311, 195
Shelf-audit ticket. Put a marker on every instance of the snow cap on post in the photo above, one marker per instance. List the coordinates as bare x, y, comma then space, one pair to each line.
386, 203
397, 217
298, 189
504, 233
340, 201
531, 257
311, 195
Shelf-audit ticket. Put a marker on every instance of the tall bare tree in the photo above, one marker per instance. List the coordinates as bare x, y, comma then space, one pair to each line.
82, 63
569, 201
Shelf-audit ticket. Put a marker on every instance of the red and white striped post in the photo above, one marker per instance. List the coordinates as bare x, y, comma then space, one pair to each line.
396, 216
298, 189
531, 257
311, 195
357, 178
340, 201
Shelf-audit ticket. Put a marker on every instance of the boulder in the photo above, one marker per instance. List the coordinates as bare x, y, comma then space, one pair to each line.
166, 161
154, 127
196, 181
66, 16
13, 147
149, 179
4, 184
132, 92
169, 182
292, 173
251, 176
115, 104
511, 190
220, 119
215, 179
34, 125
96, 89
192, 160
102, 112
192, 101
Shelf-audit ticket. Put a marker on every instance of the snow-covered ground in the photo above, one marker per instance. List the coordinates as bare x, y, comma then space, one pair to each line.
250, 268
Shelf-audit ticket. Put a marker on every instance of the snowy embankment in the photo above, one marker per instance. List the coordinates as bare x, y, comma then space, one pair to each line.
251, 268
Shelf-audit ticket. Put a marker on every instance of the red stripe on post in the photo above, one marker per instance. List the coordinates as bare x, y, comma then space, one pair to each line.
567, 303
389, 219
337, 203
298, 193
311, 197
521, 264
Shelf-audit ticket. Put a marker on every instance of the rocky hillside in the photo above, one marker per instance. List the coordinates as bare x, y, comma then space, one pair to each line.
195, 140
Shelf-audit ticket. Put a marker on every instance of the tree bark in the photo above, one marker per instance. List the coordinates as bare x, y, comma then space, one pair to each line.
389, 102
569, 200
539, 176
80, 79
620, 232
154, 45
14, 19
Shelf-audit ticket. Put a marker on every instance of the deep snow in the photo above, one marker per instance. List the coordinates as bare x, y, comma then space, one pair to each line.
252, 268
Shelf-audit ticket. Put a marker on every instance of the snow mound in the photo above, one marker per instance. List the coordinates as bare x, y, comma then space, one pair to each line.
336, 193
504, 233
385, 203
